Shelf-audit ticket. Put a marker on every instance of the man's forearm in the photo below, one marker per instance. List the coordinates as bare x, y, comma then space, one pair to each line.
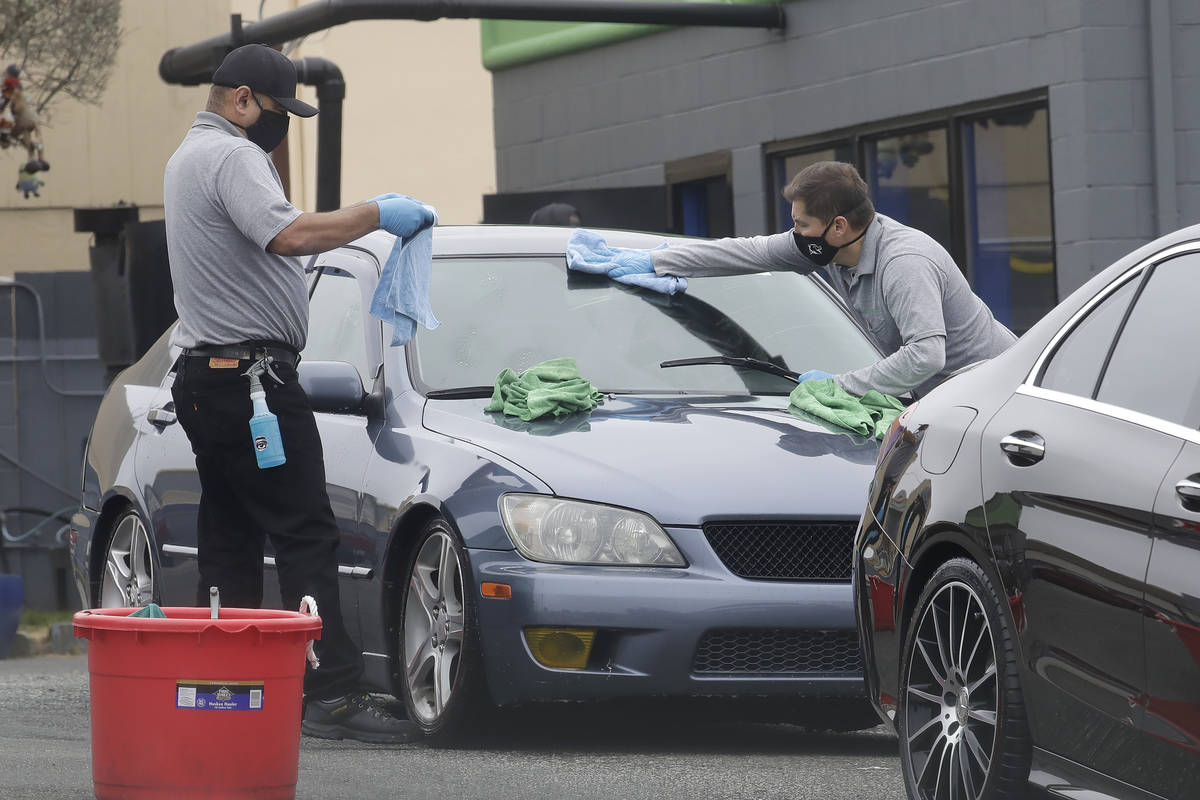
316, 233
738, 256
904, 370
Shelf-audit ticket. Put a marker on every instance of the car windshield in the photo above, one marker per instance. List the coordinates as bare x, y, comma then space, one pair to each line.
514, 312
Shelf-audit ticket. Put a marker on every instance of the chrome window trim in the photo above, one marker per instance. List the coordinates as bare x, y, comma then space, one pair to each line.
1116, 412
269, 561
1066, 330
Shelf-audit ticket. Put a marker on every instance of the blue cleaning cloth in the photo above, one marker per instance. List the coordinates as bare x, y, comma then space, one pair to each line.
587, 251
402, 296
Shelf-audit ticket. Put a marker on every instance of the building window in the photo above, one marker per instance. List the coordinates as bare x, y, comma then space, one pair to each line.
1008, 221
976, 179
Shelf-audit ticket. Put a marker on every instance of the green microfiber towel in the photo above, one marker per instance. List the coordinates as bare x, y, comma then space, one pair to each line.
869, 415
552, 387
151, 610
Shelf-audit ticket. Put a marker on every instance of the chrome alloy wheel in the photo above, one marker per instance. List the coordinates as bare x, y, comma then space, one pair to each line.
434, 619
128, 567
952, 697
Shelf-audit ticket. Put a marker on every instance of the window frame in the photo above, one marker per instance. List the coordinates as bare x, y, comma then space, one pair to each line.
1029, 386
856, 137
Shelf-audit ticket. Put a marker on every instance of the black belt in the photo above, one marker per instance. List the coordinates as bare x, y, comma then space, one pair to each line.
280, 353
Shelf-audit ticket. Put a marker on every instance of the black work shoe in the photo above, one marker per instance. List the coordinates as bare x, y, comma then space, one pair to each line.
356, 716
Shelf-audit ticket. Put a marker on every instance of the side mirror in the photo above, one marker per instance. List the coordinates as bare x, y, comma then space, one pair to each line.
334, 387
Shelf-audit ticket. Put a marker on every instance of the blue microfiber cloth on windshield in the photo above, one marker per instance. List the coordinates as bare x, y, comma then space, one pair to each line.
588, 251
869, 415
402, 296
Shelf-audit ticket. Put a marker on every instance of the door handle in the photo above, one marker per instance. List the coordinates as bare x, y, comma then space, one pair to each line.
1188, 491
1023, 448
162, 416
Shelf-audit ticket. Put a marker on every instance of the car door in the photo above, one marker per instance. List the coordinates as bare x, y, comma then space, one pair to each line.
1172, 696
1078, 456
166, 472
340, 329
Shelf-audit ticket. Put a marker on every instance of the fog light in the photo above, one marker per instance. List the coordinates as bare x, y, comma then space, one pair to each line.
560, 648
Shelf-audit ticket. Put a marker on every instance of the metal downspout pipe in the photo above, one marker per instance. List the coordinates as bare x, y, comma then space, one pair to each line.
194, 64
1162, 94
331, 90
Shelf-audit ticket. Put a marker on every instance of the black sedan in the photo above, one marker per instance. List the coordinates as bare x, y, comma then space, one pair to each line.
1027, 571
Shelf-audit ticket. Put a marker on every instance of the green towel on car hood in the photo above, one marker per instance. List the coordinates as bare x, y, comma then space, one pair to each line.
552, 387
869, 415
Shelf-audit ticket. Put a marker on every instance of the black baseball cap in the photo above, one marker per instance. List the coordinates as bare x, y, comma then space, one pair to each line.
266, 71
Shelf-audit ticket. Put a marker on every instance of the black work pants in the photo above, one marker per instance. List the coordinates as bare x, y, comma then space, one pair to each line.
241, 504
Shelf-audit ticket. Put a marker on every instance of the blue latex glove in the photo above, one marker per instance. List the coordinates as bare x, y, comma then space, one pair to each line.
403, 216
387, 196
630, 262
813, 375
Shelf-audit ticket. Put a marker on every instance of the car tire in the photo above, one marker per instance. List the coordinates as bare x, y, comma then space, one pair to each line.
439, 669
129, 573
962, 720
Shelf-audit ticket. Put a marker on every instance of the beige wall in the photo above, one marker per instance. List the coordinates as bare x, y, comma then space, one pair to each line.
100, 155
417, 117
417, 120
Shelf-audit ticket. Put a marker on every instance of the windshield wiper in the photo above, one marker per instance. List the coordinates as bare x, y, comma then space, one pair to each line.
734, 361
461, 392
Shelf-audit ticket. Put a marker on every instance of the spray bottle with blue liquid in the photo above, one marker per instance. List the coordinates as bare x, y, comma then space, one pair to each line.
264, 427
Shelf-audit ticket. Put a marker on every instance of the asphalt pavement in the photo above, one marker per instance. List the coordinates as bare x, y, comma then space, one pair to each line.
588, 752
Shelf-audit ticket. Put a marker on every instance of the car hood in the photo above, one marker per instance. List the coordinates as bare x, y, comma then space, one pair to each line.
684, 460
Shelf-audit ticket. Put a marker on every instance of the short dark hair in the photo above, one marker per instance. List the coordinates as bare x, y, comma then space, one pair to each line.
832, 188
216, 98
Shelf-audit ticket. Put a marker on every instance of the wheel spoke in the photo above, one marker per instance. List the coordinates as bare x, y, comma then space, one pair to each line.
983, 715
456, 627
950, 629
966, 667
939, 639
941, 741
952, 784
988, 674
941, 762
420, 660
933, 700
443, 684
419, 589
964, 770
937, 675
921, 731
976, 749
447, 569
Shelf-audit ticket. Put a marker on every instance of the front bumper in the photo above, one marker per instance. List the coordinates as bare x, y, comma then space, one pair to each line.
649, 623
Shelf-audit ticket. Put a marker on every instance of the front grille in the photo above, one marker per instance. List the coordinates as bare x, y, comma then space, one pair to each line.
797, 551
771, 650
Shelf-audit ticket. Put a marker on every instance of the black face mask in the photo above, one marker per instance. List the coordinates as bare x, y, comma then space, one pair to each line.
817, 249
270, 130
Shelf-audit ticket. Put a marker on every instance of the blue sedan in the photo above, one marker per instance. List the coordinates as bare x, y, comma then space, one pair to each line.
688, 537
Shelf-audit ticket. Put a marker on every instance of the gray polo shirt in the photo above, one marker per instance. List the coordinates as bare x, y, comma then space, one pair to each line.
906, 290
224, 203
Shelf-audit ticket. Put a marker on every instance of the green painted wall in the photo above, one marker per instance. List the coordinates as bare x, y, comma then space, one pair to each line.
508, 43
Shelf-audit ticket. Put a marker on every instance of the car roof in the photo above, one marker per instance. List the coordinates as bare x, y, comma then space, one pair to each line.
499, 240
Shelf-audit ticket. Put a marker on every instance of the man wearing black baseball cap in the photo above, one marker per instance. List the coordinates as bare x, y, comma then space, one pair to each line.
234, 242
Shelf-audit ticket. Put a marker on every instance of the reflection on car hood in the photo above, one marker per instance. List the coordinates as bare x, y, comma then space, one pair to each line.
684, 460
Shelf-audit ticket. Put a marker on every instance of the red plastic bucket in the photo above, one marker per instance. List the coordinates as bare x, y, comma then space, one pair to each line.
191, 707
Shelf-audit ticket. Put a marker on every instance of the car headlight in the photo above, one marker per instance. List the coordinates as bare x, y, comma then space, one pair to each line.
573, 532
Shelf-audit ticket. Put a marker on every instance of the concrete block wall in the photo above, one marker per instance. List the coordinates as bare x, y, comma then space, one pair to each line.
615, 115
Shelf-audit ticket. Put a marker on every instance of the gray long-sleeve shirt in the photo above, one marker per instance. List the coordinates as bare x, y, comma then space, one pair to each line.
906, 290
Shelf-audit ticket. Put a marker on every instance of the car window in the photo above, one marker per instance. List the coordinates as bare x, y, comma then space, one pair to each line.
1151, 369
335, 322
513, 313
1075, 366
